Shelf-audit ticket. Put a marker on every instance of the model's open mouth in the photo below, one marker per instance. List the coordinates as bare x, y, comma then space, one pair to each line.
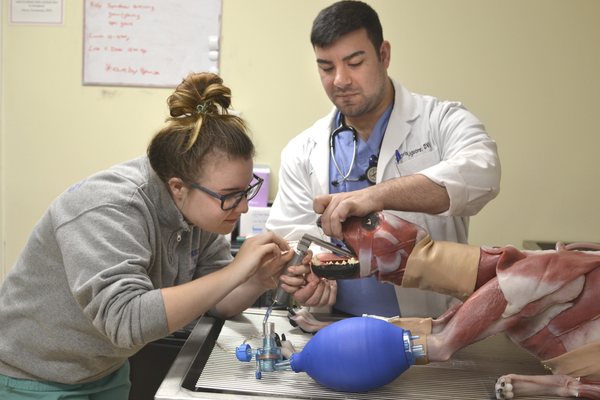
332, 266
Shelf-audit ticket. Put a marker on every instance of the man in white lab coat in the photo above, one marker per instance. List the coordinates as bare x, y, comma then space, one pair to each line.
381, 147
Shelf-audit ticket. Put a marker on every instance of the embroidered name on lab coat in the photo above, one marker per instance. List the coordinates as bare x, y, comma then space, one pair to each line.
409, 154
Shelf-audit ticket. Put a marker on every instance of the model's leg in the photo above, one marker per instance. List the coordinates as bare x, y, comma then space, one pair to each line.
478, 317
512, 386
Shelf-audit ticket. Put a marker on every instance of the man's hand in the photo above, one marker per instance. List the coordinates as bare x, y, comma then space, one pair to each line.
412, 193
336, 208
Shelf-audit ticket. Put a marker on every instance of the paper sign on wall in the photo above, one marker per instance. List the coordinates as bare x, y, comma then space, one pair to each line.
36, 12
149, 42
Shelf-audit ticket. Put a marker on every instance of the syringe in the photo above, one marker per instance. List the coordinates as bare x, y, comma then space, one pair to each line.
281, 297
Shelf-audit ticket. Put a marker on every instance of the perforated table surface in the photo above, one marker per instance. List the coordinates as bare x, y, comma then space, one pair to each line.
206, 368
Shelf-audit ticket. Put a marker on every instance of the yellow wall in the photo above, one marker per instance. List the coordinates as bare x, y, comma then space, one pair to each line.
527, 68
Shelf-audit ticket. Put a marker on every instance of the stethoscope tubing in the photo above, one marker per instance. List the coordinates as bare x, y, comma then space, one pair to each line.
341, 128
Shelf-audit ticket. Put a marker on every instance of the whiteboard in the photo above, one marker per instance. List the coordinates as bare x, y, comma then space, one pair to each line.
149, 42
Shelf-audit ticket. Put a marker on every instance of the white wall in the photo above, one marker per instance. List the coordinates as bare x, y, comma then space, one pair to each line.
3, 267
527, 68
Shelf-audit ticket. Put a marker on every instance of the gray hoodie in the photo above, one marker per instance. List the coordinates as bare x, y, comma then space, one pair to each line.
84, 294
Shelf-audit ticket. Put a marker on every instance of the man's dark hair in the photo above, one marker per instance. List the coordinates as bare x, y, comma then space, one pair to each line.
342, 18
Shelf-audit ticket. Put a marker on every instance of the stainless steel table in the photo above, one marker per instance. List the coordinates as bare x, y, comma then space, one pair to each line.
206, 368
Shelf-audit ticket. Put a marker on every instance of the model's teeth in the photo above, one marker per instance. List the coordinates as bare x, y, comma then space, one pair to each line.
342, 262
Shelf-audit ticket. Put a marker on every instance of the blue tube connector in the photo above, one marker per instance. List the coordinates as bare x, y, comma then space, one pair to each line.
268, 358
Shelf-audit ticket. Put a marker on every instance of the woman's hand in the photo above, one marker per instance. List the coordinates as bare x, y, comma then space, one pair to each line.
263, 257
317, 292
270, 271
307, 288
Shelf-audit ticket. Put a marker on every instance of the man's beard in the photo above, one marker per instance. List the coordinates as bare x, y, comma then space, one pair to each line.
353, 110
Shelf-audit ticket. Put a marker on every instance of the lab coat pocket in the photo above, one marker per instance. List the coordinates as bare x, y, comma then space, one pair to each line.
418, 162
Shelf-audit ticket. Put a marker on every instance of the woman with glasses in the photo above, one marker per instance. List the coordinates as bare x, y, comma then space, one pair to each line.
135, 252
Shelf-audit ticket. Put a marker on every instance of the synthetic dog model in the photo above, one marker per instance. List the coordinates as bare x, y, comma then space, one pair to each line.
548, 302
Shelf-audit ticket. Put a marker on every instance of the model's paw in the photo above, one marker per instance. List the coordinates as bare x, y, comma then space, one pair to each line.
303, 319
504, 388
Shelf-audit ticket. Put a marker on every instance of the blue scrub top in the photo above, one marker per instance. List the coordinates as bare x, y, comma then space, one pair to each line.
366, 295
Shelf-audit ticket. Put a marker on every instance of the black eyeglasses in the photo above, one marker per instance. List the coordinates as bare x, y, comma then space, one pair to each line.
231, 200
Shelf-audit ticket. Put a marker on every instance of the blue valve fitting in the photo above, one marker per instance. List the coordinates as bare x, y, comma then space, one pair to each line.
243, 352
268, 358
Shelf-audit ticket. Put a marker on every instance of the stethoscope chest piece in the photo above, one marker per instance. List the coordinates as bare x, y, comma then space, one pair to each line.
371, 173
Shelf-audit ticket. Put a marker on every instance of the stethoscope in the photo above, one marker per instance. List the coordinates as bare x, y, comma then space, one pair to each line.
371, 172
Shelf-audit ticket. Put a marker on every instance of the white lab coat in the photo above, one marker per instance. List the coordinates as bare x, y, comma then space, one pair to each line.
438, 139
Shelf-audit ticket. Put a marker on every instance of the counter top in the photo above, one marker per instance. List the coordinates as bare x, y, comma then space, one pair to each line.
206, 368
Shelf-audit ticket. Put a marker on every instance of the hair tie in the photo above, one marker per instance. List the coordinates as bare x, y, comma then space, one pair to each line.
201, 108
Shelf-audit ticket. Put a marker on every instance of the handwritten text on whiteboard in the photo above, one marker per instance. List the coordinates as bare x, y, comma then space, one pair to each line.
149, 42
